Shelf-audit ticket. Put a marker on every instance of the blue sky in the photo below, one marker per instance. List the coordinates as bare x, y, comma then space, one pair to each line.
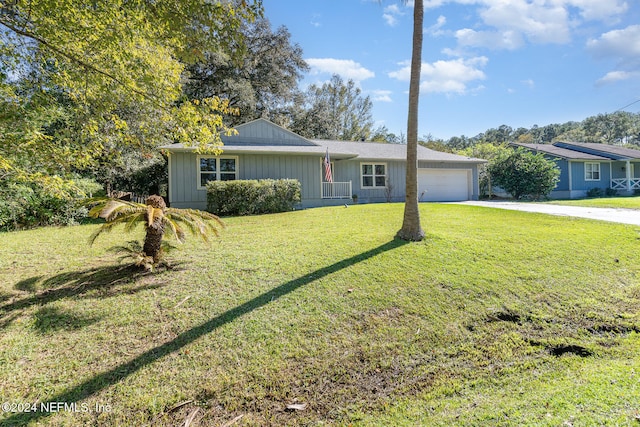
485, 62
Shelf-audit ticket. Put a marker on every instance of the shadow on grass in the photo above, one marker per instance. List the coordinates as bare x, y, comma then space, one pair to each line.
75, 284
118, 373
51, 319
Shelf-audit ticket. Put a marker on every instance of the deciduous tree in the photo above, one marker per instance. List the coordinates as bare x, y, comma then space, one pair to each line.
336, 110
260, 80
91, 60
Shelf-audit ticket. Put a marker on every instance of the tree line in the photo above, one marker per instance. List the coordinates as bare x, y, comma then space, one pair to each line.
619, 128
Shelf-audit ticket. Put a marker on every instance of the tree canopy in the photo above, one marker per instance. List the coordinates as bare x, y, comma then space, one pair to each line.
261, 81
336, 110
80, 80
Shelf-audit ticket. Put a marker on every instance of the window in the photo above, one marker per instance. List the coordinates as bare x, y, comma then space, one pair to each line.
373, 175
592, 171
216, 169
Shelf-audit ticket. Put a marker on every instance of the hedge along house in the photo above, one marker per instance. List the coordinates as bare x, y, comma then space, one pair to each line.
374, 172
584, 166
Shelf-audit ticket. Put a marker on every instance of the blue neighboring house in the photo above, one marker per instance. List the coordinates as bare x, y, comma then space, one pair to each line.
584, 166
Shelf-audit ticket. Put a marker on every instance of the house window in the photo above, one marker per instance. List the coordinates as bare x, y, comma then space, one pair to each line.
374, 175
216, 169
592, 171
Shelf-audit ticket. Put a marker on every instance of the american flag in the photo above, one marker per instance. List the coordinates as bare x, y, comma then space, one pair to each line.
327, 168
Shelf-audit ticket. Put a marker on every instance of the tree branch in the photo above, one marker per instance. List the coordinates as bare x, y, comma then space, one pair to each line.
78, 61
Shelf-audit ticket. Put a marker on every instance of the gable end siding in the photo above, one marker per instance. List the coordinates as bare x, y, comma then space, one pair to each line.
262, 132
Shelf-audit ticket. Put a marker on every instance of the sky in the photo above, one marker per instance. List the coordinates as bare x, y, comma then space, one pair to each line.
485, 63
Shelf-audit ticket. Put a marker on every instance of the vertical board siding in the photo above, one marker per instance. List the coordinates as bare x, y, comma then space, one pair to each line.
184, 175
264, 132
306, 169
563, 183
578, 179
349, 170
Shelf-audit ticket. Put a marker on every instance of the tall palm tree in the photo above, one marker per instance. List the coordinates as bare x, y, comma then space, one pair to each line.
156, 218
411, 228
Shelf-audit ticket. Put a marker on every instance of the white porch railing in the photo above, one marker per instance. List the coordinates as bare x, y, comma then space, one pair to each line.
336, 190
621, 184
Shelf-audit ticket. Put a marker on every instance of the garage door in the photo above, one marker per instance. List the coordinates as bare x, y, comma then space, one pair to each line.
444, 185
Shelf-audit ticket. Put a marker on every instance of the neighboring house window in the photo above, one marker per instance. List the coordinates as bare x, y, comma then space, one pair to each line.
592, 171
216, 169
373, 175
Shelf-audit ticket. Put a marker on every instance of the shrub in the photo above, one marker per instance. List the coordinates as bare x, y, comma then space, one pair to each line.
250, 197
595, 192
610, 192
26, 205
523, 173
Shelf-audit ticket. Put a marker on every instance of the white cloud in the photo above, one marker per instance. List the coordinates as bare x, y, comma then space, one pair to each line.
529, 83
403, 73
450, 77
617, 76
316, 20
391, 15
436, 29
381, 95
390, 19
509, 40
600, 10
508, 24
539, 21
622, 44
346, 68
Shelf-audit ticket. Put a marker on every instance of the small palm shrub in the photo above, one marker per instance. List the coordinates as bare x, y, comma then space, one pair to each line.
157, 219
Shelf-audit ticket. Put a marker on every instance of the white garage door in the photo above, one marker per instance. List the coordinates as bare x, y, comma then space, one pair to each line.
444, 185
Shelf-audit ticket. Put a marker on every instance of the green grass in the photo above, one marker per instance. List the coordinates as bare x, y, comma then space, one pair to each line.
497, 318
604, 202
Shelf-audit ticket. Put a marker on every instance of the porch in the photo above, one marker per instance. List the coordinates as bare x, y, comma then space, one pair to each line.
625, 184
336, 190
628, 181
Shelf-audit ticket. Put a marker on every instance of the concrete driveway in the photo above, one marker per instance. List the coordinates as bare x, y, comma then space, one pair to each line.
622, 216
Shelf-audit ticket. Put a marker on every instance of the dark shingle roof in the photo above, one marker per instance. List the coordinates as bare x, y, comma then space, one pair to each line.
339, 150
564, 153
382, 151
614, 152
264, 137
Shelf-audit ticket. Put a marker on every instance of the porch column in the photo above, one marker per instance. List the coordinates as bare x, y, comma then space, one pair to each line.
628, 172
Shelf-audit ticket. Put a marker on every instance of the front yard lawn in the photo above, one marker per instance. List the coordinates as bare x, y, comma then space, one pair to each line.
604, 202
320, 317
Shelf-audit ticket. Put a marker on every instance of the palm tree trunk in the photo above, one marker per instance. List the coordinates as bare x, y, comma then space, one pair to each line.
155, 229
411, 229
153, 240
